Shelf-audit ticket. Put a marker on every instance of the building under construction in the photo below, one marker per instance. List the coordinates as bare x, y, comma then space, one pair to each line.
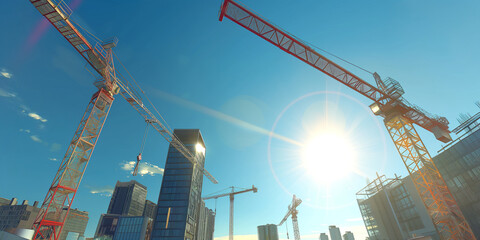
392, 209
459, 164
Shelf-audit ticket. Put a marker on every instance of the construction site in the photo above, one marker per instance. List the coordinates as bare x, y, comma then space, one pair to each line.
224, 95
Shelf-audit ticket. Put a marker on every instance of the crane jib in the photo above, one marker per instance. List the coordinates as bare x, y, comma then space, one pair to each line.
296, 47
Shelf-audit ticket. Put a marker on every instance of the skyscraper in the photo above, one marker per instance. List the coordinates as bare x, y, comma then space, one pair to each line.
348, 236
107, 224
323, 236
128, 199
178, 204
150, 209
334, 232
267, 232
206, 223
210, 224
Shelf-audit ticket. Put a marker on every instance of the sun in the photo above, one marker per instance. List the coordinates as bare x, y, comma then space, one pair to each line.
328, 157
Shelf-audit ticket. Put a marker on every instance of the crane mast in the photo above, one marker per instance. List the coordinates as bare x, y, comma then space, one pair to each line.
54, 210
399, 118
292, 210
232, 197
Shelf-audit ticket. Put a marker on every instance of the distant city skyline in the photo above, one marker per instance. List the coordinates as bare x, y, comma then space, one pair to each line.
215, 76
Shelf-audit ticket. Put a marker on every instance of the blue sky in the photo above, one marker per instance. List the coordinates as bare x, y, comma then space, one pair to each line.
222, 79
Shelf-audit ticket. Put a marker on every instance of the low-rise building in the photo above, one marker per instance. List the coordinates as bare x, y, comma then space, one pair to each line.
76, 222
13, 216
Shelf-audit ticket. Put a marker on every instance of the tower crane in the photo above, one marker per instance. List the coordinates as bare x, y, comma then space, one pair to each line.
110, 81
292, 210
231, 194
399, 118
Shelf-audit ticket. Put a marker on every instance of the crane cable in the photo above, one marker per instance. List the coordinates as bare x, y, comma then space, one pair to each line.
138, 86
139, 156
286, 227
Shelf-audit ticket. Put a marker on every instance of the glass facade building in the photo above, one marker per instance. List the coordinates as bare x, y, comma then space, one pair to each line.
131, 228
267, 232
460, 167
128, 199
178, 204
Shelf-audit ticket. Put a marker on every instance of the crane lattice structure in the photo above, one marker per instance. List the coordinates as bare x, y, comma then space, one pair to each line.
100, 56
292, 210
231, 195
399, 119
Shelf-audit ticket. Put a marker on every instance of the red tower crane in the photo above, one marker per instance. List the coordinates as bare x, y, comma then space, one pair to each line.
399, 117
56, 205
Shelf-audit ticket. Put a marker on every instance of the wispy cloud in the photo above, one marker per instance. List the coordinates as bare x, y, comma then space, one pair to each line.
55, 147
35, 138
37, 117
5, 73
5, 93
105, 191
144, 168
24, 130
53, 159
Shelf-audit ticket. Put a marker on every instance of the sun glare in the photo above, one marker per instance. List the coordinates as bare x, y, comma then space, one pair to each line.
328, 157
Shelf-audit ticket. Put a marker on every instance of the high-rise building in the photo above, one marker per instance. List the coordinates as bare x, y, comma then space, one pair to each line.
206, 223
150, 209
13, 216
267, 232
459, 164
392, 209
334, 232
210, 224
76, 222
131, 228
179, 200
128, 199
107, 224
348, 236
323, 236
